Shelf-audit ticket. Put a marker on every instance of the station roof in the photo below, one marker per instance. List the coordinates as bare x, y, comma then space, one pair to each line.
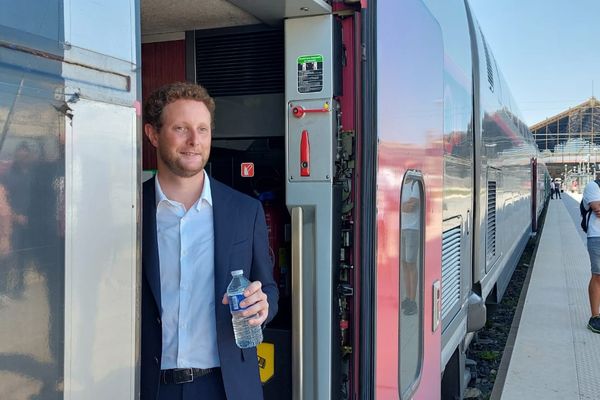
572, 135
592, 105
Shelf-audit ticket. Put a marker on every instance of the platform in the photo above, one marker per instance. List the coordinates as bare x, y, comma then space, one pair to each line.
554, 355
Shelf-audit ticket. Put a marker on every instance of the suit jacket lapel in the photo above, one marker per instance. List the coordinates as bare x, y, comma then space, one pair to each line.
222, 221
150, 258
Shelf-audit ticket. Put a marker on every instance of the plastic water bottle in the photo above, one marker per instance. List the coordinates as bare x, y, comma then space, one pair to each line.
246, 335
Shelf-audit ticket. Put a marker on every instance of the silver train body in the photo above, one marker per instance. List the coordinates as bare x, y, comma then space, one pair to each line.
494, 188
71, 172
69, 149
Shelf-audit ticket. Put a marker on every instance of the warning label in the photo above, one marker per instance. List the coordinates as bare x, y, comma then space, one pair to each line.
266, 361
310, 74
247, 170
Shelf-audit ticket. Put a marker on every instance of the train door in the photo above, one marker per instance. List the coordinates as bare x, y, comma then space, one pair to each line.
69, 204
409, 86
280, 136
314, 196
534, 194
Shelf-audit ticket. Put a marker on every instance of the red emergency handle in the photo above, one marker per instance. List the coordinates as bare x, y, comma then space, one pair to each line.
299, 111
304, 154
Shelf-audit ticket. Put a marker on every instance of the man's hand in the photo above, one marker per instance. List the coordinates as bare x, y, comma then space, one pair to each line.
256, 301
595, 206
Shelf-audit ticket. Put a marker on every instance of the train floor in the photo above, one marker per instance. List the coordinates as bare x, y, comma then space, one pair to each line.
554, 355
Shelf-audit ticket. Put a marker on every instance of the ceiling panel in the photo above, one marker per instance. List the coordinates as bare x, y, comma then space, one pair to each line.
168, 16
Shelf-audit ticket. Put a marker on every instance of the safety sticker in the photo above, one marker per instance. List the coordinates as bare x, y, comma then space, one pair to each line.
310, 73
247, 170
266, 361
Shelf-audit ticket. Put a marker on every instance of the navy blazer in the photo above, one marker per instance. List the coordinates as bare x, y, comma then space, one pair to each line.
241, 242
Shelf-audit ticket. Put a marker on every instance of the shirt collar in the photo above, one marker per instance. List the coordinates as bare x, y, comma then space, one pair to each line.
206, 194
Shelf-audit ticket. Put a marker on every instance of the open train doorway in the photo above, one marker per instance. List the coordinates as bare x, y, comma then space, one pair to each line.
275, 71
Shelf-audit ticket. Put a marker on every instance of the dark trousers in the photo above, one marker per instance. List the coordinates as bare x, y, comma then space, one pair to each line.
207, 387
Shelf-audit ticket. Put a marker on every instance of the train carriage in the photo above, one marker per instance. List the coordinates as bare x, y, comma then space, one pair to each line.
398, 179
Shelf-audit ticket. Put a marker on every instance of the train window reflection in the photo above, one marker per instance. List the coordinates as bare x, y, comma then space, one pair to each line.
32, 209
410, 320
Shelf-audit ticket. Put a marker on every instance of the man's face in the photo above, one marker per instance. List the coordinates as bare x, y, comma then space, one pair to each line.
183, 142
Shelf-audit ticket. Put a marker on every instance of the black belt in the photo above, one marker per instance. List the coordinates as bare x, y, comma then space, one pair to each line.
183, 375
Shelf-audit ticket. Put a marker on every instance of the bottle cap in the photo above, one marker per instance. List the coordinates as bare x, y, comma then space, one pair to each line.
237, 272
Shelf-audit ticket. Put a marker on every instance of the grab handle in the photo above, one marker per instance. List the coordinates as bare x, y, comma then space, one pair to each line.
297, 299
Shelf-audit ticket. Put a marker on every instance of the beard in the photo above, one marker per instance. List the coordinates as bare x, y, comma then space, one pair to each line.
178, 168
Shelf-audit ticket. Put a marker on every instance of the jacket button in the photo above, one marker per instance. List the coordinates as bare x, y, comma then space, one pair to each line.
156, 360
158, 320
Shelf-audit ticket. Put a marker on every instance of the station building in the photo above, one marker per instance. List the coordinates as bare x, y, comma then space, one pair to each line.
569, 142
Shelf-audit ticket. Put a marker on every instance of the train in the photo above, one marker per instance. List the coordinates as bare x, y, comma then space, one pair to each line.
399, 181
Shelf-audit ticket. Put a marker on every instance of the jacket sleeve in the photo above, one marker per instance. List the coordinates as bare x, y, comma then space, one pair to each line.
262, 263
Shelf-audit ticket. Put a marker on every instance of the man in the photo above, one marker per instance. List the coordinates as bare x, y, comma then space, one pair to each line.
197, 230
552, 189
557, 184
591, 198
410, 243
18, 184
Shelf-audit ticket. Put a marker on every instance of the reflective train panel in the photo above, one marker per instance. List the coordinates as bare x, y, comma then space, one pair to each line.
70, 202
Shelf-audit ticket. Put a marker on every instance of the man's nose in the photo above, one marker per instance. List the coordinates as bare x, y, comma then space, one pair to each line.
194, 136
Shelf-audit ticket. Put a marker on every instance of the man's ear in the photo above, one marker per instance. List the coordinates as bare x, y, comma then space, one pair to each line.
151, 134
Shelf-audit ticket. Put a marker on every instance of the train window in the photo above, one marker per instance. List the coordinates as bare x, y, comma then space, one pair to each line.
410, 335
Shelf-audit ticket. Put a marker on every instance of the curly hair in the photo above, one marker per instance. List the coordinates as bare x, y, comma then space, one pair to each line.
170, 93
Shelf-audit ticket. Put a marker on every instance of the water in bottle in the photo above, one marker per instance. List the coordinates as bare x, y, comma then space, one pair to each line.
246, 335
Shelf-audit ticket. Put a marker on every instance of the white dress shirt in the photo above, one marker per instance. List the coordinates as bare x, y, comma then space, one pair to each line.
186, 255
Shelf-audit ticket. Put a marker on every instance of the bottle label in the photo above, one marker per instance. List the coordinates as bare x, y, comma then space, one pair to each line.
234, 302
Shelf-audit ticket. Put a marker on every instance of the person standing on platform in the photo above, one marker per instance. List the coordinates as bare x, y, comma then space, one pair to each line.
410, 237
195, 232
552, 189
591, 199
557, 185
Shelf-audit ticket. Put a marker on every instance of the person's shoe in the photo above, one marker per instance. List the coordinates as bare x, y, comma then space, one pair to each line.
411, 308
594, 324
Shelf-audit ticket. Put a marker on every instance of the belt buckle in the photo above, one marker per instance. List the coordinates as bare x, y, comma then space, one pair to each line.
183, 375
